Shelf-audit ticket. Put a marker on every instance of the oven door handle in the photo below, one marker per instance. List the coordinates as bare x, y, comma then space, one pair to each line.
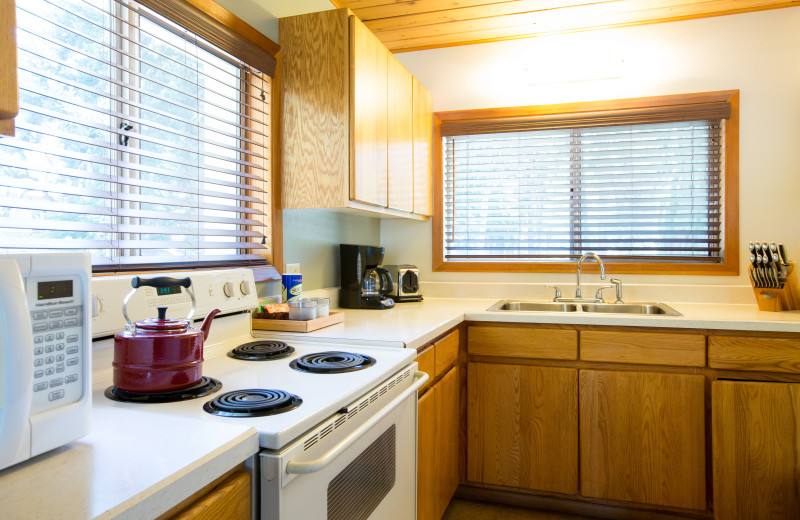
420, 378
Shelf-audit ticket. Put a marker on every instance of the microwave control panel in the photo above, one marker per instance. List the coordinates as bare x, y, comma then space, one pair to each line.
56, 305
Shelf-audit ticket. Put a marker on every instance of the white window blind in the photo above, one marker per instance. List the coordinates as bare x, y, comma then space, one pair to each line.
649, 192
136, 140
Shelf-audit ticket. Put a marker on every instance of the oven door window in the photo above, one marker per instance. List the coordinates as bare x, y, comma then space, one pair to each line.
355, 492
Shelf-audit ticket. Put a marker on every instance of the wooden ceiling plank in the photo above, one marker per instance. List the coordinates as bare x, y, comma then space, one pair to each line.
485, 35
405, 8
472, 13
574, 16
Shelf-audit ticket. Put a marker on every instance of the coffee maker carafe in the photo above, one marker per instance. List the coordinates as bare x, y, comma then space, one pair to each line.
364, 284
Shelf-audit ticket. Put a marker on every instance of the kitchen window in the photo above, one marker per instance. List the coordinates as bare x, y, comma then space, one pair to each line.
649, 184
137, 140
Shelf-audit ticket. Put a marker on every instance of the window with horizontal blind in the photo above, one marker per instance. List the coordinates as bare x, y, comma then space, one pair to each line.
137, 140
643, 183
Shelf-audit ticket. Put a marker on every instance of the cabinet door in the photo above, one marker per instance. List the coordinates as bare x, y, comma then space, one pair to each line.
756, 444
643, 437
423, 149
228, 501
401, 151
9, 103
522, 426
446, 439
427, 492
368, 104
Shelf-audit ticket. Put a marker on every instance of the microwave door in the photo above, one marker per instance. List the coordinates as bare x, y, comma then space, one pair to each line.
16, 366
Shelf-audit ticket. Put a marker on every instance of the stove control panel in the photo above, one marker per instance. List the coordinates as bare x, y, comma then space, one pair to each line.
229, 290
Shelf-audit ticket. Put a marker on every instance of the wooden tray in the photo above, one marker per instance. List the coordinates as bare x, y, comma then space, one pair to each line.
297, 325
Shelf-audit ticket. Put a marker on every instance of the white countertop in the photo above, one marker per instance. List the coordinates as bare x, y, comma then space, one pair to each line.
138, 464
414, 324
133, 465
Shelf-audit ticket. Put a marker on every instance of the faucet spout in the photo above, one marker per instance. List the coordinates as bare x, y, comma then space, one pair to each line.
580, 263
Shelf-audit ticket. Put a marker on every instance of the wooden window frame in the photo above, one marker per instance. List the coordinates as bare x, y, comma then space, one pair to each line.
729, 266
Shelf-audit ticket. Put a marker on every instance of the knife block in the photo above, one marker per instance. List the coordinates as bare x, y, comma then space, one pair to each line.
784, 298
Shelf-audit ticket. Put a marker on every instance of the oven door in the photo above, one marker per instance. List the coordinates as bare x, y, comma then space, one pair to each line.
368, 473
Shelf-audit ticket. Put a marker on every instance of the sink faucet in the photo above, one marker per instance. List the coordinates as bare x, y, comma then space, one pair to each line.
580, 263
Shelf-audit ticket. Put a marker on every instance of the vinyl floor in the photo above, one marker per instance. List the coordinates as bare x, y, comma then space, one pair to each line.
470, 510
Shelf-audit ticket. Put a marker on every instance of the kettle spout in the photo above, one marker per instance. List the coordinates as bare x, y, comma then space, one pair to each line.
206, 326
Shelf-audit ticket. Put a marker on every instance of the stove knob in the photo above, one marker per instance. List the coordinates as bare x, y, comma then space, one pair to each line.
245, 287
229, 289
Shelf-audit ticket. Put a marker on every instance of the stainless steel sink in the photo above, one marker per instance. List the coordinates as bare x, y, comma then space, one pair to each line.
506, 305
640, 309
631, 308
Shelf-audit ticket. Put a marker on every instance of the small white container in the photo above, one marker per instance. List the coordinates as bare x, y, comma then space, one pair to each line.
323, 306
302, 310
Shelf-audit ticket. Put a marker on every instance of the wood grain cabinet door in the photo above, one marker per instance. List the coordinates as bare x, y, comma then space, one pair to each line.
446, 439
423, 149
427, 492
756, 445
400, 142
642, 437
228, 501
522, 426
369, 105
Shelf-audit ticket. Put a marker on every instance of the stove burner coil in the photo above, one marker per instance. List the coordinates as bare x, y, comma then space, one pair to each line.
252, 403
332, 362
262, 351
206, 386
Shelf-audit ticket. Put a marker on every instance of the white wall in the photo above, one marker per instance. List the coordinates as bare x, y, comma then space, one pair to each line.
757, 53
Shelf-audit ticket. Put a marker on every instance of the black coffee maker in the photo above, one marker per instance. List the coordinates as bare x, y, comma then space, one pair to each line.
364, 284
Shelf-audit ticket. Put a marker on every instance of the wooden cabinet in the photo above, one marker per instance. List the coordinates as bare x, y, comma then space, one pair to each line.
438, 430
369, 61
422, 141
756, 450
642, 437
400, 140
349, 128
9, 100
228, 500
522, 426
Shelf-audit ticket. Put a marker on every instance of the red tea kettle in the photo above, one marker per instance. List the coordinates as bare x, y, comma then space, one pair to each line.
159, 354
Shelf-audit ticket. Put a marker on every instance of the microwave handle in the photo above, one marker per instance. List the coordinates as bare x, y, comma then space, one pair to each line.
420, 378
16, 362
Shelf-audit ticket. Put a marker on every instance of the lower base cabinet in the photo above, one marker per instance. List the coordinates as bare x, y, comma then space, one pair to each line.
437, 451
522, 426
756, 450
643, 437
230, 500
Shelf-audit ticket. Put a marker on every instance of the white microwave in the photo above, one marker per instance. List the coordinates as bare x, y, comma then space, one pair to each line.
45, 353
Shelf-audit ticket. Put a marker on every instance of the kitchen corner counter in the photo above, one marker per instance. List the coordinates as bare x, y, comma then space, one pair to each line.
412, 325
133, 465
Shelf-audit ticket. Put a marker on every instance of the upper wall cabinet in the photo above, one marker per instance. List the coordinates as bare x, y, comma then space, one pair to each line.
9, 101
353, 120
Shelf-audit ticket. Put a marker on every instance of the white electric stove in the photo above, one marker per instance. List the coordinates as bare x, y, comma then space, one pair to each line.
336, 422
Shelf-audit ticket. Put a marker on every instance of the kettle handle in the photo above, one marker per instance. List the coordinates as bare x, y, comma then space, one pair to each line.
159, 282
384, 275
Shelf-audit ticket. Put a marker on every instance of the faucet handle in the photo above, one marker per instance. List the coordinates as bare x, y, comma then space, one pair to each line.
599, 294
618, 284
558, 292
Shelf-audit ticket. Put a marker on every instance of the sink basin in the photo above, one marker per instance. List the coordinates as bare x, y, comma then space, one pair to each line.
631, 308
506, 305
639, 309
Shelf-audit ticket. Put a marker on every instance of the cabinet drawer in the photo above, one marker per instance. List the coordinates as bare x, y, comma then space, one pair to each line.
426, 364
522, 342
648, 348
754, 353
446, 352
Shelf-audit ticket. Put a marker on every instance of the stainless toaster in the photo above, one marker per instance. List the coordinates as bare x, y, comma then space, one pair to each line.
405, 283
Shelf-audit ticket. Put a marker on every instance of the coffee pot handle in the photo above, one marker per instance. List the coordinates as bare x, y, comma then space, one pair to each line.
384, 274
